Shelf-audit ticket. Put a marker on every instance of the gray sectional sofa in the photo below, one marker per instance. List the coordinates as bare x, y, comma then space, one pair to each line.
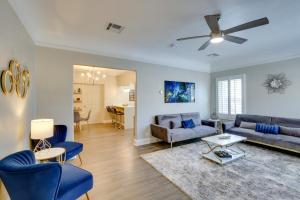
288, 138
169, 129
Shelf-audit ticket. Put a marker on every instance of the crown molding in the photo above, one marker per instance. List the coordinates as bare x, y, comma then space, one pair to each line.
117, 56
252, 64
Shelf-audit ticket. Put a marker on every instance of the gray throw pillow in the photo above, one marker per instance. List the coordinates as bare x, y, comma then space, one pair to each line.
290, 131
248, 125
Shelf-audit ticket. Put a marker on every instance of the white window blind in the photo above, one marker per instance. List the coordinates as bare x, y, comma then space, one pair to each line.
236, 96
223, 97
230, 96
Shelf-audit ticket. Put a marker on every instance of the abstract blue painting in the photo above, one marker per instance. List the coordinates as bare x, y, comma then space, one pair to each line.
179, 92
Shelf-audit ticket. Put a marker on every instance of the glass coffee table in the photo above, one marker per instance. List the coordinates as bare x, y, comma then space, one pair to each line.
223, 142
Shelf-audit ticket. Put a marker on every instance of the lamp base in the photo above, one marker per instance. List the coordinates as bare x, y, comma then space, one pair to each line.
41, 145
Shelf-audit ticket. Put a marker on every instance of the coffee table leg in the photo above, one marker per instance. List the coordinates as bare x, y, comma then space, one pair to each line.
210, 148
238, 151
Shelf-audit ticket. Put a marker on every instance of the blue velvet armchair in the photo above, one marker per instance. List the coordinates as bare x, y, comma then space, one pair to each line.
59, 140
26, 180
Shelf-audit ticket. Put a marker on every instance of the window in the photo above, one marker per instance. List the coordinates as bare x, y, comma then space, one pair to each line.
230, 96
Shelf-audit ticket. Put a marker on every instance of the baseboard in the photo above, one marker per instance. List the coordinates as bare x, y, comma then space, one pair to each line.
140, 142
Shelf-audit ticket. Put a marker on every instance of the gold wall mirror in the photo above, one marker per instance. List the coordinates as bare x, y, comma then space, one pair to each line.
15, 78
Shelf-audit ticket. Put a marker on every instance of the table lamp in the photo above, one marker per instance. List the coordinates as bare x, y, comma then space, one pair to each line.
41, 129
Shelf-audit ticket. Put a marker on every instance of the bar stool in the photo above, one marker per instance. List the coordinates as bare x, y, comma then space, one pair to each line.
86, 119
119, 117
110, 110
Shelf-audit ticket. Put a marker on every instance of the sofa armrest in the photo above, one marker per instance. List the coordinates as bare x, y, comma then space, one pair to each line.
208, 123
160, 132
228, 125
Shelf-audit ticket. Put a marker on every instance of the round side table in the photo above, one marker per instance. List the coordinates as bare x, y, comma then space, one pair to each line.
47, 154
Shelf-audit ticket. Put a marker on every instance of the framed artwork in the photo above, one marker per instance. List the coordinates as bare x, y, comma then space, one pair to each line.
179, 92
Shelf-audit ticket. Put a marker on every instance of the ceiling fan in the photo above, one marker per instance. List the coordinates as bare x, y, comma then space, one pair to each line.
217, 35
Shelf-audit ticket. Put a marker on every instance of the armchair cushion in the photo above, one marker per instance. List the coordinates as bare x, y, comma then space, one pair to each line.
74, 182
72, 148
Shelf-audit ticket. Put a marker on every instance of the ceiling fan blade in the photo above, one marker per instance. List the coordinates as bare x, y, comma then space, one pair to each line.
204, 46
248, 25
212, 21
234, 39
193, 37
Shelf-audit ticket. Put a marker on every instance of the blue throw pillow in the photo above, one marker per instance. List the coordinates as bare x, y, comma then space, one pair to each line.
266, 128
188, 124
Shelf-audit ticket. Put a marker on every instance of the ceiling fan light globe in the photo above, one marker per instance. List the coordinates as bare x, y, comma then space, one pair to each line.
216, 40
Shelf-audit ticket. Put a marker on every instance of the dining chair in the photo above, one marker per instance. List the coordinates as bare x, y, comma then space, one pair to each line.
77, 119
110, 110
87, 118
26, 180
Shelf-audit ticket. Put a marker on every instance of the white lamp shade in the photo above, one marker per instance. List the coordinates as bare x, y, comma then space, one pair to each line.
41, 128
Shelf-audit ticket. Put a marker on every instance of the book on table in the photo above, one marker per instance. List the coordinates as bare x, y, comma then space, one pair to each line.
223, 154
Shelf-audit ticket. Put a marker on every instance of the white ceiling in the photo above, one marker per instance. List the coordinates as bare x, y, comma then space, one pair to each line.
152, 25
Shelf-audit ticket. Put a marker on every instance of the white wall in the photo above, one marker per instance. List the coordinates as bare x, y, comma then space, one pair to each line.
15, 113
55, 97
126, 80
258, 101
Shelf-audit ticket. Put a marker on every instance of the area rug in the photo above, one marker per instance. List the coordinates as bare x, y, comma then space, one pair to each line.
262, 175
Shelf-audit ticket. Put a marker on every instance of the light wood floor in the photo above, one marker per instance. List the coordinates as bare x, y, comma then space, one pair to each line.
119, 172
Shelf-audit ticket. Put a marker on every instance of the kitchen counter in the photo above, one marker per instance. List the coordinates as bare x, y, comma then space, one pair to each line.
129, 115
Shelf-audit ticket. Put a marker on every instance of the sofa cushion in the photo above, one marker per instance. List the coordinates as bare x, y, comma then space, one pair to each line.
288, 122
188, 123
267, 128
248, 125
249, 133
251, 118
181, 134
283, 141
290, 131
195, 116
203, 131
165, 120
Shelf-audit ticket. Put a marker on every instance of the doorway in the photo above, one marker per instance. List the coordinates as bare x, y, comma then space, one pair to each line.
104, 98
